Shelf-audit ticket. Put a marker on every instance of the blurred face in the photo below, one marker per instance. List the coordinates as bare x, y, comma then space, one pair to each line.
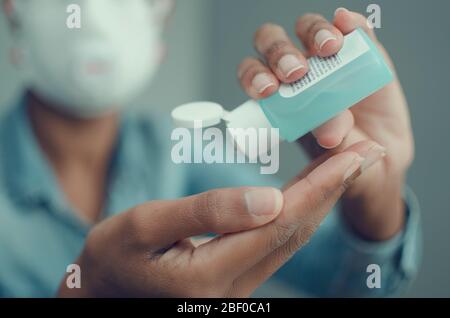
96, 68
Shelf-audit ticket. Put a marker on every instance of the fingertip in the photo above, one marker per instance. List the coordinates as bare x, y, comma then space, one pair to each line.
331, 47
370, 153
331, 134
328, 42
329, 141
365, 146
262, 85
340, 10
343, 20
296, 74
264, 202
279, 201
291, 67
257, 80
347, 21
267, 91
338, 164
328, 177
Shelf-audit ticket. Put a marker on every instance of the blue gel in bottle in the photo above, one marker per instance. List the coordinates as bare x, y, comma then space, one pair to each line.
332, 85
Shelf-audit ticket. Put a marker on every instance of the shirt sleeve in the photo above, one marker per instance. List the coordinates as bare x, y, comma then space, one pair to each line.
336, 262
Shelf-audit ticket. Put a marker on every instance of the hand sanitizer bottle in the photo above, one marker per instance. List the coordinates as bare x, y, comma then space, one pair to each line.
332, 85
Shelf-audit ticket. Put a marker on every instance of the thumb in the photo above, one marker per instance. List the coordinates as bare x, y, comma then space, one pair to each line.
162, 223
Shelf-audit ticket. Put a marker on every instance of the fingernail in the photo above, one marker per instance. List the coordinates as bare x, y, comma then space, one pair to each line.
323, 37
289, 64
354, 170
340, 9
373, 155
261, 82
264, 201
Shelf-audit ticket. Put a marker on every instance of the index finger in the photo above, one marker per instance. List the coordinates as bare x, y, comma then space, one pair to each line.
306, 204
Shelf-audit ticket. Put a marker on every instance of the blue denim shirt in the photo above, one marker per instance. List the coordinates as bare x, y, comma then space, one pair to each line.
40, 234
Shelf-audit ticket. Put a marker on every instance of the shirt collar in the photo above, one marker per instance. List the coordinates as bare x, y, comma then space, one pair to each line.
30, 177
28, 173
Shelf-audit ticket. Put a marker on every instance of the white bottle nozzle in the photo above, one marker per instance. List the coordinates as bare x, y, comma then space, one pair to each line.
248, 115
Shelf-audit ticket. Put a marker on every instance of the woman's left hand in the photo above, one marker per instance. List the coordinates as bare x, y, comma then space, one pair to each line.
373, 205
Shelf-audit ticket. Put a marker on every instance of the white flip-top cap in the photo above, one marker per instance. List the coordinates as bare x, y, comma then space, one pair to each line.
207, 114
248, 115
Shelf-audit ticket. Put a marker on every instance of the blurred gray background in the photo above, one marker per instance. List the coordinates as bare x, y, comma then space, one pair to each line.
207, 39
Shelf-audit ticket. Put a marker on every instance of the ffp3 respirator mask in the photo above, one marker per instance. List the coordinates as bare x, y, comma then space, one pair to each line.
94, 69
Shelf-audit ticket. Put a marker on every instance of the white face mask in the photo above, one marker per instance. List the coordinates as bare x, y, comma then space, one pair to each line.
93, 70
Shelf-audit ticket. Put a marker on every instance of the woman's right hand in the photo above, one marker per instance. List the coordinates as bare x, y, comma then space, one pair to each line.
147, 251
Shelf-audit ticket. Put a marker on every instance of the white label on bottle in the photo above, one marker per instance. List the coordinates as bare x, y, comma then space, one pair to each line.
319, 68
